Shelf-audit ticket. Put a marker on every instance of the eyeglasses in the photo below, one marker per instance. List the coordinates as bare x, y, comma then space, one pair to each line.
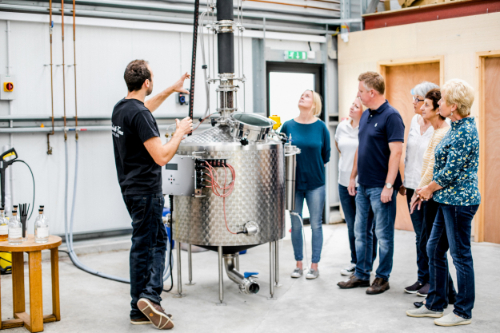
416, 99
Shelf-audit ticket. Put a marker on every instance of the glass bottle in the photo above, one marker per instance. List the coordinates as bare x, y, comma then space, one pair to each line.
4, 227
15, 230
41, 228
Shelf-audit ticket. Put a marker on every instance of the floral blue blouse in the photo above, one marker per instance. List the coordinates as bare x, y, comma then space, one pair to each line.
457, 161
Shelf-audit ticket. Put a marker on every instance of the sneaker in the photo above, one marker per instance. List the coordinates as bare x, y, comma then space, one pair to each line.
413, 288
378, 286
424, 312
140, 321
452, 319
422, 292
297, 272
353, 282
156, 314
348, 271
312, 274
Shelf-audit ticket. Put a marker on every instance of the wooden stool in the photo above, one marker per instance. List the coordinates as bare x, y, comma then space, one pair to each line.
35, 319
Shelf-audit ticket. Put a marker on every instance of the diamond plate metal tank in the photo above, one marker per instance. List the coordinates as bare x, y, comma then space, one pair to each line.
258, 195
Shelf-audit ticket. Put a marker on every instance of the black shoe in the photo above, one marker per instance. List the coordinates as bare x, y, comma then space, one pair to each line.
420, 304
353, 282
413, 288
422, 292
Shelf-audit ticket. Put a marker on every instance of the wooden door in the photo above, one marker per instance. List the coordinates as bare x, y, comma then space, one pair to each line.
400, 80
491, 158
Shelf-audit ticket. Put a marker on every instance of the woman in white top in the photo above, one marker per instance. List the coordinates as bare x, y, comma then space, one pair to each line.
421, 131
346, 140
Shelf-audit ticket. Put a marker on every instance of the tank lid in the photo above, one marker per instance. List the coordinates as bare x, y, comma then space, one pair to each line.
253, 119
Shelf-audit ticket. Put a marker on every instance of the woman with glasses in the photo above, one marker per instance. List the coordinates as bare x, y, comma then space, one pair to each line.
455, 187
311, 135
420, 133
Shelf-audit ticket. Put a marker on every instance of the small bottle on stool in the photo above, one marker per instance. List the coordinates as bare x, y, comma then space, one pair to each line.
15, 230
4, 227
41, 228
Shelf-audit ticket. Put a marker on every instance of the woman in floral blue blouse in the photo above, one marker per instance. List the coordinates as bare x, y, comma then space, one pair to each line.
455, 188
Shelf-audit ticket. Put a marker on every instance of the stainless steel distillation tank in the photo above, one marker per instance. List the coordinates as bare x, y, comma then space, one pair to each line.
229, 182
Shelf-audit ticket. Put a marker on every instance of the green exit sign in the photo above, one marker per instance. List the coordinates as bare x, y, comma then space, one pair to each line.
295, 55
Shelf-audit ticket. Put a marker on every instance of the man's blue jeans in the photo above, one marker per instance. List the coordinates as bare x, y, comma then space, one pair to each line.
454, 222
149, 243
385, 216
348, 203
316, 203
417, 219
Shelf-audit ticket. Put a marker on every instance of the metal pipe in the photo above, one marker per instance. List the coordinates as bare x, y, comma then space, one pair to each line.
277, 263
190, 266
221, 277
271, 270
10, 171
74, 66
179, 272
51, 28
293, 5
63, 68
237, 261
246, 285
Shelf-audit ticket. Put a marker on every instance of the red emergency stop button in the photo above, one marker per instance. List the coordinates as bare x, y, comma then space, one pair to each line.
8, 86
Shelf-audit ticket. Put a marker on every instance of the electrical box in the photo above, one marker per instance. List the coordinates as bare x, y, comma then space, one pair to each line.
183, 99
178, 176
7, 88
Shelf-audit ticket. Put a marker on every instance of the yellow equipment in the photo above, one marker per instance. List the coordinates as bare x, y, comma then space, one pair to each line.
5, 262
277, 119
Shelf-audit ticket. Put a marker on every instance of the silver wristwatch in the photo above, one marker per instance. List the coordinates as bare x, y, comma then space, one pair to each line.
388, 185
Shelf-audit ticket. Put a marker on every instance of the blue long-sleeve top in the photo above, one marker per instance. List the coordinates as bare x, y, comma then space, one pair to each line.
314, 143
456, 165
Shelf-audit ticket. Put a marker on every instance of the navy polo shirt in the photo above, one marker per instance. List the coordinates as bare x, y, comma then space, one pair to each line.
377, 128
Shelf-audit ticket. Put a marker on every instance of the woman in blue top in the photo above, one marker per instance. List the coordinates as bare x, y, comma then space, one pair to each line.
310, 135
454, 187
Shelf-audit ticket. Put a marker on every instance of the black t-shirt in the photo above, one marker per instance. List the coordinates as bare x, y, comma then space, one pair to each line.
132, 125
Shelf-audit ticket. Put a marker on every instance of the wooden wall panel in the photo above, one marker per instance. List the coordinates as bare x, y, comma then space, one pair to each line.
399, 82
491, 195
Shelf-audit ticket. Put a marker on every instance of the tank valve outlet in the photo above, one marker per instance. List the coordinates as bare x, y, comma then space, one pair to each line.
251, 228
244, 141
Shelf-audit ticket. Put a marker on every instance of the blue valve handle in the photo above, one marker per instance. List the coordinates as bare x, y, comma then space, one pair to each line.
249, 274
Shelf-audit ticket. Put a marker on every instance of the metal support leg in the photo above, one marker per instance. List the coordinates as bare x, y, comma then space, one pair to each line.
237, 261
272, 256
190, 267
179, 273
221, 278
277, 264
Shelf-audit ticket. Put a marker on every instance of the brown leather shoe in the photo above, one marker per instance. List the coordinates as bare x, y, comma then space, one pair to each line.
353, 282
156, 314
378, 286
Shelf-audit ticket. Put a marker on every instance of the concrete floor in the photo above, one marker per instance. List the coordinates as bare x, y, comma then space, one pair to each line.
92, 304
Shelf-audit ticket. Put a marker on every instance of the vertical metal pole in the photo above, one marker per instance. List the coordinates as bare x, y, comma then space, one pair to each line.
221, 278
179, 273
277, 263
237, 261
190, 266
271, 270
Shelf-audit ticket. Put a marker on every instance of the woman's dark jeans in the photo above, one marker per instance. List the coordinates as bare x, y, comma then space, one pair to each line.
149, 243
430, 209
417, 219
348, 203
454, 222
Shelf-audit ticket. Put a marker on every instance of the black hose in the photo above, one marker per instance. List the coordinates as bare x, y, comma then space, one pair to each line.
193, 60
33, 178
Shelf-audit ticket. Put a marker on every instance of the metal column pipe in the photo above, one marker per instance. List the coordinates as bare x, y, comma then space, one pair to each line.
179, 272
225, 36
271, 270
277, 263
221, 277
190, 266
63, 68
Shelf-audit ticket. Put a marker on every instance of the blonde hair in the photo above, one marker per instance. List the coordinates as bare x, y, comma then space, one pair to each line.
460, 93
317, 103
373, 80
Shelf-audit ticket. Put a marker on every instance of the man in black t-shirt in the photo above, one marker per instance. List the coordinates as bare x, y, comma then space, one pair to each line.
139, 156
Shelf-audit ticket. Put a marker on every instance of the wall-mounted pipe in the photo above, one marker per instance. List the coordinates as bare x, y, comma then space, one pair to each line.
247, 286
74, 65
294, 5
8, 130
51, 28
63, 67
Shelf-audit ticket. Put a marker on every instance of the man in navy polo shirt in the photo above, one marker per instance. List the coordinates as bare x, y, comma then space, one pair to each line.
381, 137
